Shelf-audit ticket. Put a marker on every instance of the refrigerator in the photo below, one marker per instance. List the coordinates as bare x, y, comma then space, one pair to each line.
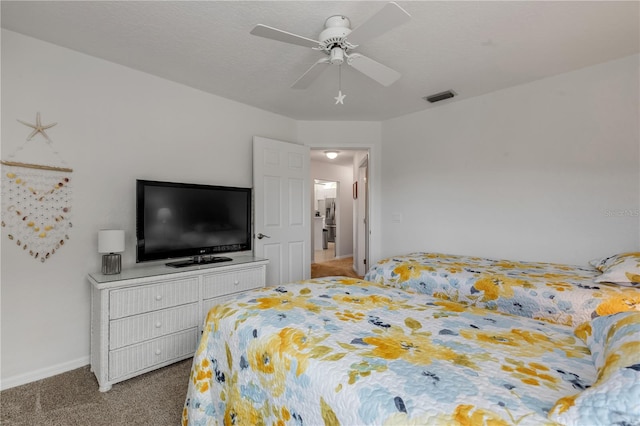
330, 218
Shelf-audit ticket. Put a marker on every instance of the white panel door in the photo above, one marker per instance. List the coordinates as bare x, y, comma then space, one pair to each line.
282, 229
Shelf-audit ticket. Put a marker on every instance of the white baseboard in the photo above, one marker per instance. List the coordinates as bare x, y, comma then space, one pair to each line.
343, 256
32, 376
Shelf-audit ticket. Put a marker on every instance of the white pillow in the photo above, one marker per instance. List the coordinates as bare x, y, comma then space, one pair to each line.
621, 269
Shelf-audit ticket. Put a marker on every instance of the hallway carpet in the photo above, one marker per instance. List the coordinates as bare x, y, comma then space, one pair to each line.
343, 267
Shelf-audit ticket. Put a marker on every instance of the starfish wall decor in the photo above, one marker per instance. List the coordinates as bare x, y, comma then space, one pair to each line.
38, 128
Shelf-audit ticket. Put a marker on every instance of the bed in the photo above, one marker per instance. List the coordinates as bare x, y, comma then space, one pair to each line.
552, 292
346, 351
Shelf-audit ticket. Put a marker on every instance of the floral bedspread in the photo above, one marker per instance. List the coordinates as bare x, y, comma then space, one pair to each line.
557, 293
346, 351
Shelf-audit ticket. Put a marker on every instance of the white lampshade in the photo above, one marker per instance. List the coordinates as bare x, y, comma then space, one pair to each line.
110, 241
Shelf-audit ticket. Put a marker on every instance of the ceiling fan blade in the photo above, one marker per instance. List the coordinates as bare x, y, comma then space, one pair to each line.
311, 74
374, 70
387, 18
284, 36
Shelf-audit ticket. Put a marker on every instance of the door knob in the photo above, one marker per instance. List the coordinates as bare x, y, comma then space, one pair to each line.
261, 236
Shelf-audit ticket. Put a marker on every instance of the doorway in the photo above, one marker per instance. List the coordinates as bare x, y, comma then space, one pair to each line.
343, 237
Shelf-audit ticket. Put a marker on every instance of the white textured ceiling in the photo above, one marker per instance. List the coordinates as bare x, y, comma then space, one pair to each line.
470, 47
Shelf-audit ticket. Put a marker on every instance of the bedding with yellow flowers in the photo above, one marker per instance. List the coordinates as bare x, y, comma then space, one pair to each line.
552, 292
343, 351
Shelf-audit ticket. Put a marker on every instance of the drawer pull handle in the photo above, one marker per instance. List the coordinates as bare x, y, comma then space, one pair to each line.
236, 282
158, 324
158, 351
159, 297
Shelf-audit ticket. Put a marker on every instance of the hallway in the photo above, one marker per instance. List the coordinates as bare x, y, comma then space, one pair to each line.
326, 254
340, 191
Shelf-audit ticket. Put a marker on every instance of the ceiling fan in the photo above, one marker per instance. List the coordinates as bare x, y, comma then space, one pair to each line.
338, 41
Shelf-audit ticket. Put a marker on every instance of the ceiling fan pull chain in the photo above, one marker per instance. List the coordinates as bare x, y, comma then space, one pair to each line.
340, 98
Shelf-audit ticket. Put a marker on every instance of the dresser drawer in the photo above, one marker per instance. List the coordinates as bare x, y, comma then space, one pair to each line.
147, 298
129, 360
138, 328
210, 303
221, 284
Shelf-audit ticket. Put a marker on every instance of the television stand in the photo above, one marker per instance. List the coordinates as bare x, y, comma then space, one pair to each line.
199, 260
151, 316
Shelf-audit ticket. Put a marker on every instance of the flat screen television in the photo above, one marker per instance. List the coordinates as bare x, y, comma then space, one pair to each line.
178, 220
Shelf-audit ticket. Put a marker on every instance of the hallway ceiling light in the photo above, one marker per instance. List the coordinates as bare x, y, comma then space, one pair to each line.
331, 154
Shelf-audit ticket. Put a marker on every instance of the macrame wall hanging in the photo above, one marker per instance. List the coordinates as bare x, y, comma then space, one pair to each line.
36, 195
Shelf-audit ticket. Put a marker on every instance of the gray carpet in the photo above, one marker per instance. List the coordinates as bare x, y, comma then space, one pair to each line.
73, 398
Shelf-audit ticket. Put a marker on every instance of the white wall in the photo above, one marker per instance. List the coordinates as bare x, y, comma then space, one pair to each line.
114, 125
535, 172
344, 213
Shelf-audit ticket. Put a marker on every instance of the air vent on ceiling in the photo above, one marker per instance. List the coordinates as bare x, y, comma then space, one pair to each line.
440, 96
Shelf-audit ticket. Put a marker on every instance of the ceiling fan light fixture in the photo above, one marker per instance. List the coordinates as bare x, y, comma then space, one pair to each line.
337, 56
337, 41
331, 155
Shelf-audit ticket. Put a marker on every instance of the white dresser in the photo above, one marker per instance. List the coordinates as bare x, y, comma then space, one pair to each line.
149, 317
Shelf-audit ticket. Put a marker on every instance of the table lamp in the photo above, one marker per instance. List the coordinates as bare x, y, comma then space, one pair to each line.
111, 241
